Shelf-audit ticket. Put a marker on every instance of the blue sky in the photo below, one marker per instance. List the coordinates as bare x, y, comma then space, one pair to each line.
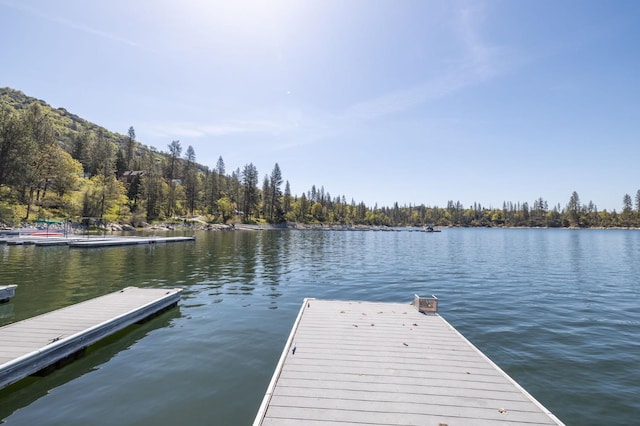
380, 101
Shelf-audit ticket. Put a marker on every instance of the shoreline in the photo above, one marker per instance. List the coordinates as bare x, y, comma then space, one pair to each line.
203, 226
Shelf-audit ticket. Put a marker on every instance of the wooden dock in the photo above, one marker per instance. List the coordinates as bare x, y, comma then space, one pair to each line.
126, 241
89, 242
360, 363
31, 345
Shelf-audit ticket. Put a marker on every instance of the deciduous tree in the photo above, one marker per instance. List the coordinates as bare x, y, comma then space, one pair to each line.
11, 139
37, 146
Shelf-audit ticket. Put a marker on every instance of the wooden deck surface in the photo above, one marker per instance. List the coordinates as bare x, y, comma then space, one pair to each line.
30, 345
387, 364
89, 242
126, 241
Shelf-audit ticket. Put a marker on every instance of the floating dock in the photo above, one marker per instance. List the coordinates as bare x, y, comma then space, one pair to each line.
126, 241
354, 363
91, 242
31, 345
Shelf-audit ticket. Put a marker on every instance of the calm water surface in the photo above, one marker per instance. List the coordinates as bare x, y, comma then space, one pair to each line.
558, 310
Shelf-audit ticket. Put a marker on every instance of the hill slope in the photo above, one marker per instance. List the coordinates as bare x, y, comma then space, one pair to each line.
66, 125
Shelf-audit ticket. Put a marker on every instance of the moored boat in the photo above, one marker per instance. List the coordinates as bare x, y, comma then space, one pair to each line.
7, 292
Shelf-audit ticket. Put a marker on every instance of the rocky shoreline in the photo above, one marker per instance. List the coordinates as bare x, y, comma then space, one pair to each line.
198, 225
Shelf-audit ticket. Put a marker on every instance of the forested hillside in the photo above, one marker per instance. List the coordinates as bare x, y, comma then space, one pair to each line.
54, 165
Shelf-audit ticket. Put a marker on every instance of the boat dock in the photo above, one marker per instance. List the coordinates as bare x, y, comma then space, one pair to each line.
92, 242
354, 363
126, 241
31, 345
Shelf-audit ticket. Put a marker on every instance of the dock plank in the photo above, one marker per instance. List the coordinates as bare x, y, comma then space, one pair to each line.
431, 393
28, 346
387, 364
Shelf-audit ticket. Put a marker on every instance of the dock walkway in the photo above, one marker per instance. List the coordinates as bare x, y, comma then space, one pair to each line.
360, 363
126, 241
89, 242
28, 346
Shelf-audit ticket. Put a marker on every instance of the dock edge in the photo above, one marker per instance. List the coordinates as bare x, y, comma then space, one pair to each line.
262, 411
39, 359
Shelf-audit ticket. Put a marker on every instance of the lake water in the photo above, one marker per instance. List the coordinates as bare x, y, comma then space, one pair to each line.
558, 310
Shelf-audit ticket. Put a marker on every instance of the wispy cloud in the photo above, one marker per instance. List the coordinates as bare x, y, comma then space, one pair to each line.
199, 130
96, 32
67, 23
479, 56
478, 62
401, 100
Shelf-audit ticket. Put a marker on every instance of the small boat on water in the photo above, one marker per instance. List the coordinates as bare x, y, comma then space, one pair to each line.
47, 234
7, 292
431, 228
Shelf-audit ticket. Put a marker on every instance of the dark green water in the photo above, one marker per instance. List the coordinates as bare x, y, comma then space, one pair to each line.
558, 310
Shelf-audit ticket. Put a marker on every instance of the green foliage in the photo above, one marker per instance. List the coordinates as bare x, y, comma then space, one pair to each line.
54, 163
65, 126
11, 213
226, 208
250, 191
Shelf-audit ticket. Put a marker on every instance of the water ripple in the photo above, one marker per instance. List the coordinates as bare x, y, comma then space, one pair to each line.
556, 309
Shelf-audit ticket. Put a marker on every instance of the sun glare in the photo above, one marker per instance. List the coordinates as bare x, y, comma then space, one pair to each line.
238, 22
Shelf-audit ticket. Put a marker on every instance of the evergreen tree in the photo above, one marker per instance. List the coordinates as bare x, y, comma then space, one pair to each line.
275, 195
220, 171
130, 148
174, 155
286, 205
102, 155
235, 187
120, 164
627, 210
82, 143
266, 198
175, 150
153, 189
133, 193
191, 180
573, 209
249, 190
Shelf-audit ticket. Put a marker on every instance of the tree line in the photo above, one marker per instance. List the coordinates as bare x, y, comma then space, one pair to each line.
56, 169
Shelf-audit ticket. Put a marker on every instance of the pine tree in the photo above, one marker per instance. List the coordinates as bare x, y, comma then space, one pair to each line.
250, 190
286, 206
130, 147
191, 179
275, 193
